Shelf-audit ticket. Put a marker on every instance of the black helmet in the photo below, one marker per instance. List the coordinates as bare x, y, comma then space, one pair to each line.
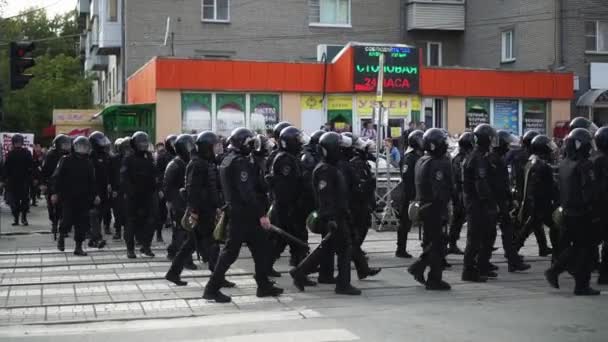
542, 146
263, 146
435, 141
484, 135
291, 140
415, 140
62, 143
329, 146
17, 139
314, 138
601, 139
205, 144
170, 143
505, 139
578, 143
466, 142
82, 146
242, 140
276, 131
125, 147
581, 122
184, 144
99, 141
140, 141
526, 141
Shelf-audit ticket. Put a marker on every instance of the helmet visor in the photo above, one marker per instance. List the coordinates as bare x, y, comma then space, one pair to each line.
346, 142
142, 145
104, 142
65, 146
82, 148
304, 138
593, 128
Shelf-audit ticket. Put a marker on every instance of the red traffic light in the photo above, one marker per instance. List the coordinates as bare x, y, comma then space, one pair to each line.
20, 52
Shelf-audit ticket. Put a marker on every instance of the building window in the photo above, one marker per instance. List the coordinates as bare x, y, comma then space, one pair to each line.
596, 36
112, 10
433, 54
329, 12
508, 53
216, 10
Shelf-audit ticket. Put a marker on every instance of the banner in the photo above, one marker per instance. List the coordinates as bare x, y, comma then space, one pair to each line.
478, 112
196, 112
398, 105
7, 143
535, 116
506, 115
312, 112
264, 111
230, 113
340, 112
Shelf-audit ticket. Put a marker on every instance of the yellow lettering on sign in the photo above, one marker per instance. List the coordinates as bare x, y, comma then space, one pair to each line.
340, 102
398, 105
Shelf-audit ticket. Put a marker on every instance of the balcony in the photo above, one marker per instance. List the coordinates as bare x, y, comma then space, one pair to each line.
445, 15
96, 63
110, 29
84, 7
83, 44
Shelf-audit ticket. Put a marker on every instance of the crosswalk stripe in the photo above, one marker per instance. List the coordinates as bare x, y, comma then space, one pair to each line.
320, 335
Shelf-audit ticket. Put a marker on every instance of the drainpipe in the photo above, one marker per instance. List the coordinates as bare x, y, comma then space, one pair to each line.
123, 50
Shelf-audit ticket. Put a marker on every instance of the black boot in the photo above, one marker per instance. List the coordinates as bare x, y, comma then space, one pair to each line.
159, 236
274, 273
117, 235
518, 267
78, 250
227, 284
15, 219
473, 275
175, 279
131, 254
587, 291
61, 243
552, 278
24, 219
437, 285
453, 249
402, 253
106, 230
268, 290
370, 272
348, 290
417, 271
147, 251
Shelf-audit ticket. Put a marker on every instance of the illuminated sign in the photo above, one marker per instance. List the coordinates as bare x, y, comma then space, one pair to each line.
401, 68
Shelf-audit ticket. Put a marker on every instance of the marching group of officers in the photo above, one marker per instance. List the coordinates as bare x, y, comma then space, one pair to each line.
268, 193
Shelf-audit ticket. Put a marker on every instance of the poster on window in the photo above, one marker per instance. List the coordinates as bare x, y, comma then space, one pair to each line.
535, 116
264, 111
313, 117
478, 112
506, 115
196, 112
230, 113
340, 112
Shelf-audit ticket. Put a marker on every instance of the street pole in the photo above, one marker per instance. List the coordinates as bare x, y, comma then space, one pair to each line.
378, 119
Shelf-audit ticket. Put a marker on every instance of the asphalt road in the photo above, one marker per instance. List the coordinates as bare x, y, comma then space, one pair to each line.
46, 295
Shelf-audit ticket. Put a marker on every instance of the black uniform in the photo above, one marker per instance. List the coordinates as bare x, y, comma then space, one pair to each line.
409, 194
540, 199
363, 197
74, 183
433, 178
173, 181
243, 190
458, 212
101, 163
481, 206
162, 161
138, 183
48, 167
18, 168
600, 168
118, 198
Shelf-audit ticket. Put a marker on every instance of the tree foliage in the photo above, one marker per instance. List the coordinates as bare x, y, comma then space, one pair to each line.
59, 80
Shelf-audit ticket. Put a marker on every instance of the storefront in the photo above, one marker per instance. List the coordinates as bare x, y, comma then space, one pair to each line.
75, 122
201, 94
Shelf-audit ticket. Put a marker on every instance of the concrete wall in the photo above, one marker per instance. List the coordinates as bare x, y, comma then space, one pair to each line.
291, 109
168, 113
266, 30
456, 108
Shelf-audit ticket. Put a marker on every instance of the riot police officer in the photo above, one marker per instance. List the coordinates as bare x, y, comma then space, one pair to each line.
502, 190
202, 200
276, 133
600, 168
414, 151
18, 168
577, 183
433, 179
163, 158
465, 146
285, 182
101, 162
331, 193
73, 182
123, 149
581, 122
173, 182
540, 193
481, 206
62, 145
138, 183
248, 221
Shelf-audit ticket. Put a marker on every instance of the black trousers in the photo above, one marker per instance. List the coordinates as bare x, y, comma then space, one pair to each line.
458, 219
54, 210
339, 241
286, 218
433, 245
576, 249
75, 214
179, 237
535, 223
507, 235
200, 240
405, 225
18, 195
140, 221
481, 226
119, 210
240, 230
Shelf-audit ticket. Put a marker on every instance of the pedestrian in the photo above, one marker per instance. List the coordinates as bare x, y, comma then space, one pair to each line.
465, 147
433, 178
331, 193
18, 169
368, 131
138, 183
248, 221
414, 151
577, 184
62, 145
392, 153
73, 183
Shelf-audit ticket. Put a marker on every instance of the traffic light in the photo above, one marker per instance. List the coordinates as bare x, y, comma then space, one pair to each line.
20, 55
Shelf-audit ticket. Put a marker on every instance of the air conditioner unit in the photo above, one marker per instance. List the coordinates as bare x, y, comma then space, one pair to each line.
329, 50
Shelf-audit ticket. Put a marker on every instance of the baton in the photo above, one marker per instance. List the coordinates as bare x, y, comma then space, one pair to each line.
288, 236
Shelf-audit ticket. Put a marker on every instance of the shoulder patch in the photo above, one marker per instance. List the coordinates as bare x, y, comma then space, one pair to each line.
439, 176
244, 176
286, 170
482, 172
405, 167
322, 185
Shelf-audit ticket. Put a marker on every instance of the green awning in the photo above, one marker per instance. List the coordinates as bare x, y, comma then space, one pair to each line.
126, 109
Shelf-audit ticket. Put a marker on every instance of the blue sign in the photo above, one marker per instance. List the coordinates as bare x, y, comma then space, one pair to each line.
506, 115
